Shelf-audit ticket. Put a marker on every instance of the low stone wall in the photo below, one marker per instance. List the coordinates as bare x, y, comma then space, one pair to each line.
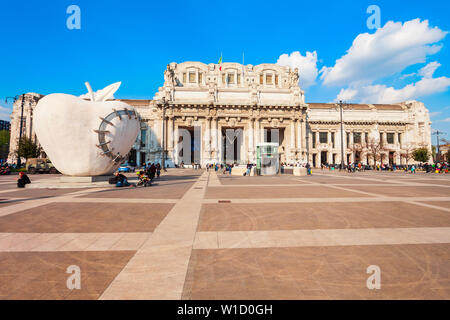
239, 171
300, 171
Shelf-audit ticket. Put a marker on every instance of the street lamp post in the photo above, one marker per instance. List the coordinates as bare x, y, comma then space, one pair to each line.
437, 133
307, 137
163, 140
342, 136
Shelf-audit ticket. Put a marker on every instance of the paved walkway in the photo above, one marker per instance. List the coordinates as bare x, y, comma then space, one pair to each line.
199, 235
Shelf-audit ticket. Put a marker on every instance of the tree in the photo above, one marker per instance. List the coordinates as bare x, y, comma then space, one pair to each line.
28, 149
421, 154
433, 152
375, 150
4, 143
407, 153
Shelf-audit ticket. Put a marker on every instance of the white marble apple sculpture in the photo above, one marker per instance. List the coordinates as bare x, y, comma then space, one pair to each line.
86, 137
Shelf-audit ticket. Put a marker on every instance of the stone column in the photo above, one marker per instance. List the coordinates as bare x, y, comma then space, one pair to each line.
219, 142
215, 137
292, 137
257, 131
303, 125
207, 141
262, 133
251, 146
352, 155
317, 138
176, 150
170, 137
298, 133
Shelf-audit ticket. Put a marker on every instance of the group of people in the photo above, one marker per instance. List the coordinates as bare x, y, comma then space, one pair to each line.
440, 167
145, 176
428, 168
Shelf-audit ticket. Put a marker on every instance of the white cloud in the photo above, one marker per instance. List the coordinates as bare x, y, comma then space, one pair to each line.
429, 69
307, 66
389, 50
5, 112
383, 94
445, 120
435, 114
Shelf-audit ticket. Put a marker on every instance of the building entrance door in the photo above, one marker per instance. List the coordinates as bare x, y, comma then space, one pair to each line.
357, 157
189, 144
323, 157
232, 145
391, 158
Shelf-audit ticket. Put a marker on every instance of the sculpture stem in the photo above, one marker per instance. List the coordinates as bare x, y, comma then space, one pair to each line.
91, 93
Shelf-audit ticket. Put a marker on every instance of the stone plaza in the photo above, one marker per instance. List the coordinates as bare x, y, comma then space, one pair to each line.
198, 234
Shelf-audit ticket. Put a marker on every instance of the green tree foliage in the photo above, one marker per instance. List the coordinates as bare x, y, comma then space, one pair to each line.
28, 149
421, 155
4, 144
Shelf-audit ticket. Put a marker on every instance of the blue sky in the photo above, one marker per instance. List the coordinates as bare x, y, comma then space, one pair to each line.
132, 41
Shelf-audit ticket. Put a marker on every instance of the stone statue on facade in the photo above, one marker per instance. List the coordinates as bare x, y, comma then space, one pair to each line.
293, 78
169, 76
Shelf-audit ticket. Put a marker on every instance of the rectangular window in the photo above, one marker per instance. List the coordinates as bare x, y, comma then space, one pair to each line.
143, 137
276, 80
238, 78
390, 138
261, 78
200, 78
268, 79
231, 78
381, 137
323, 137
399, 138
348, 139
224, 79
356, 137
184, 77
367, 137
332, 141
191, 77
313, 139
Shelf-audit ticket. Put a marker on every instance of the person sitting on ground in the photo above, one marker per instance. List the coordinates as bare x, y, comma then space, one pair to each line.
23, 180
121, 180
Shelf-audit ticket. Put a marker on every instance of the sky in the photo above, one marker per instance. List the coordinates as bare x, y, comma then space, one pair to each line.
341, 50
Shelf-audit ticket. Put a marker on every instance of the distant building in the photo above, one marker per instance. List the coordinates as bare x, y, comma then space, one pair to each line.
443, 151
28, 102
5, 125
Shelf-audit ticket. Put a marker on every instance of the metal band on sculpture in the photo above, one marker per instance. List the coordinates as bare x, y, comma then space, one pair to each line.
102, 131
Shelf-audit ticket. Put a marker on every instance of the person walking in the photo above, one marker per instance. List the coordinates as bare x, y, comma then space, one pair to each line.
158, 170
152, 172
249, 169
